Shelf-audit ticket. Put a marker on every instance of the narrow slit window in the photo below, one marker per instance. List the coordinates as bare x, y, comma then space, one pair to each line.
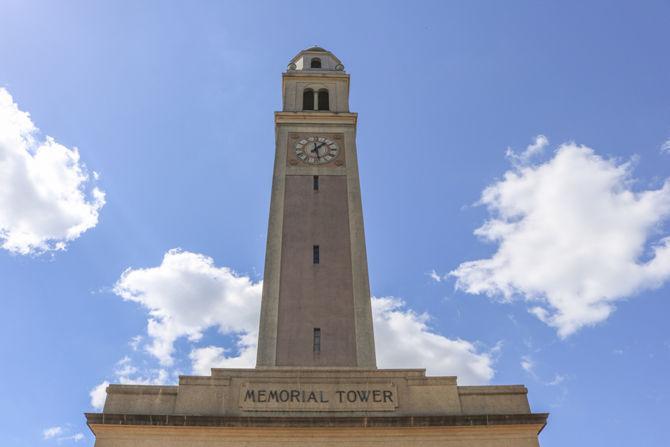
316, 183
315, 254
317, 339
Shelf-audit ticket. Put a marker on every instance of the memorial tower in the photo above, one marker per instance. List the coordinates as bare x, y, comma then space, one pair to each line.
316, 294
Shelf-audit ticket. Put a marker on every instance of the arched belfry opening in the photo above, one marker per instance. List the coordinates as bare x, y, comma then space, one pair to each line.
324, 100
315, 63
308, 99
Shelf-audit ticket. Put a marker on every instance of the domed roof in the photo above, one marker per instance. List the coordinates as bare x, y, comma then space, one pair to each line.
316, 49
330, 61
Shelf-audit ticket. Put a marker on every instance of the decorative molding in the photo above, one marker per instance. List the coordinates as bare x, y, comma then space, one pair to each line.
538, 419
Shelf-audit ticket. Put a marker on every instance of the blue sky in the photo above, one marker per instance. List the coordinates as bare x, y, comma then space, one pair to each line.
170, 105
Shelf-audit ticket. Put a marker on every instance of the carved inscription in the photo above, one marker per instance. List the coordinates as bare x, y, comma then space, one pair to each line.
318, 397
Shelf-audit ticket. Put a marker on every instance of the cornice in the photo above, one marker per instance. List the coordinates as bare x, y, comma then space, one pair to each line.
537, 419
315, 74
316, 118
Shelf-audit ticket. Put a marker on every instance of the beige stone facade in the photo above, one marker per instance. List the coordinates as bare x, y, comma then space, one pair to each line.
316, 406
328, 436
300, 393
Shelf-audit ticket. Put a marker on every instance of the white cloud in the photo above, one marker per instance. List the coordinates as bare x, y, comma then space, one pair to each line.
75, 437
404, 340
99, 395
572, 237
52, 432
557, 380
203, 359
128, 374
665, 147
435, 276
188, 294
44, 202
60, 434
134, 342
125, 368
528, 365
533, 149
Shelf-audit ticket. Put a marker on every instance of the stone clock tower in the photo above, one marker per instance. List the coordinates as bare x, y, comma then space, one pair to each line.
316, 380
316, 294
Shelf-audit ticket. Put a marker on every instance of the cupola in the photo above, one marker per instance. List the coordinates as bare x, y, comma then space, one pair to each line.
315, 59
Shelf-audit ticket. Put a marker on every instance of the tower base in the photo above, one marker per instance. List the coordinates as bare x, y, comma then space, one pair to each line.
316, 407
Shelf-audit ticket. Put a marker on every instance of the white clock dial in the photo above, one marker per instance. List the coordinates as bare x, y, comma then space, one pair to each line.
316, 150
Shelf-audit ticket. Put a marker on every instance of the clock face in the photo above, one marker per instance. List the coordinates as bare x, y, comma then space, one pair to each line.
316, 150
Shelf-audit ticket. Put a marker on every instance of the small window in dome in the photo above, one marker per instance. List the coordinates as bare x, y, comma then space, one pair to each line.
316, 63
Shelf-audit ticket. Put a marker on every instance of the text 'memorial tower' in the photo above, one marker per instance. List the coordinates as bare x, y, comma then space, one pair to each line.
316, 294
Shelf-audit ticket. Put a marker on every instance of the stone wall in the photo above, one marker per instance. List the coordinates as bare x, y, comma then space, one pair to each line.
311, 392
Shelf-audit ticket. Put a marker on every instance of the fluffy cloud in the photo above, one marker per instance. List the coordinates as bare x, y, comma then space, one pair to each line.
186, 295
532, 150
203, 359
43, 198
52, 432
573, 238
98, 395
436, 277
127, 373
404, 340
75, 438
60, 434
135, 342
665, 147
528, 364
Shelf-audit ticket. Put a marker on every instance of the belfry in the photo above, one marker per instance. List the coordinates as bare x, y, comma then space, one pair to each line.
316, 380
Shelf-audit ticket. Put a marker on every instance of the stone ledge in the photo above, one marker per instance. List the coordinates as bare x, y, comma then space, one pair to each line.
316, 117
317, 422
326, 371
492, 389
142, 389
316, 75
204, 380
